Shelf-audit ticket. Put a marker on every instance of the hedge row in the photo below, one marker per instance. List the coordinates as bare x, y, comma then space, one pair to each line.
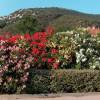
63, 81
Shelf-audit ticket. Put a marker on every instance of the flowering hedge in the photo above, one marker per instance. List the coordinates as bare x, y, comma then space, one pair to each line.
77, 49
20, 53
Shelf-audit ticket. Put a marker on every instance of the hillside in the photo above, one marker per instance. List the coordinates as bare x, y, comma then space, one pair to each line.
59, 18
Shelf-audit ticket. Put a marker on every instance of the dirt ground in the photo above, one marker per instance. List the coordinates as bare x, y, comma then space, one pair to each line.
76, 96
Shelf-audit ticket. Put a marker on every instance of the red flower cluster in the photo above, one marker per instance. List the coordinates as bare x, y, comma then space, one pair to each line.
2, 38
19, 53
14, 38
34, 44
35, 51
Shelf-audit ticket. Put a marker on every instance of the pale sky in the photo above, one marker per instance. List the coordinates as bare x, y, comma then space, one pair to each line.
87, 6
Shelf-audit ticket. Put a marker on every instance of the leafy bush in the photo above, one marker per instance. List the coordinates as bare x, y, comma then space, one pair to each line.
39, 82
63, 81
27, 24
87, 51
75, 81
66, 49
77, 49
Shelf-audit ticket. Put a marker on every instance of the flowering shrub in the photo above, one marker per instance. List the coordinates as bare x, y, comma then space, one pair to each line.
66, 49
88, 51
77, 49
20, 53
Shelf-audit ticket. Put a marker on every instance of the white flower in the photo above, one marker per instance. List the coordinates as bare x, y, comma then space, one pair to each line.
84, 59
93, 67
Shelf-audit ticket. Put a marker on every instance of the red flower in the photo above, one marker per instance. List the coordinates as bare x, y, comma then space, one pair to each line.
2, 38
43, 52
51, 60
41, 45
43, 35
14, 38
54, 51
50, 30
34, 43
27, 36
35, 51
44, 59
35, 36
39, 36
35, 59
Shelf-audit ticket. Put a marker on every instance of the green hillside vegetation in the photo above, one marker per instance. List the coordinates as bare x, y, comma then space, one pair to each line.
61, 19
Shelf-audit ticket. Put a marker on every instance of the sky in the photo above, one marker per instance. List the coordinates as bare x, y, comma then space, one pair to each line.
86, 6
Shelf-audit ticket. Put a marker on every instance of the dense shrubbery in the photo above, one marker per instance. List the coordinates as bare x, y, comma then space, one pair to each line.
67, 81
77, 49
19, 54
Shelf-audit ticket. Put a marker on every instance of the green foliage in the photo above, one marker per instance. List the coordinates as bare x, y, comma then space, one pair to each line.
2, 23
60, 19
66, 49
77, 49
63, 81
39, 82
27, 24
87, 51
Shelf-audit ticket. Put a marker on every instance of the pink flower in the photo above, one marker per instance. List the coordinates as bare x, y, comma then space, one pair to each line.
5, 68
9, 79
2, 47
26, 66
18, 66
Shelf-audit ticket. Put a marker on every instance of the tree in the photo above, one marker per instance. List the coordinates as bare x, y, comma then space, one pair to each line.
2, 23
27, 24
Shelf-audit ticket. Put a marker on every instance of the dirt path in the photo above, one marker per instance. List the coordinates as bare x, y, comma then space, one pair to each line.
93, 96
